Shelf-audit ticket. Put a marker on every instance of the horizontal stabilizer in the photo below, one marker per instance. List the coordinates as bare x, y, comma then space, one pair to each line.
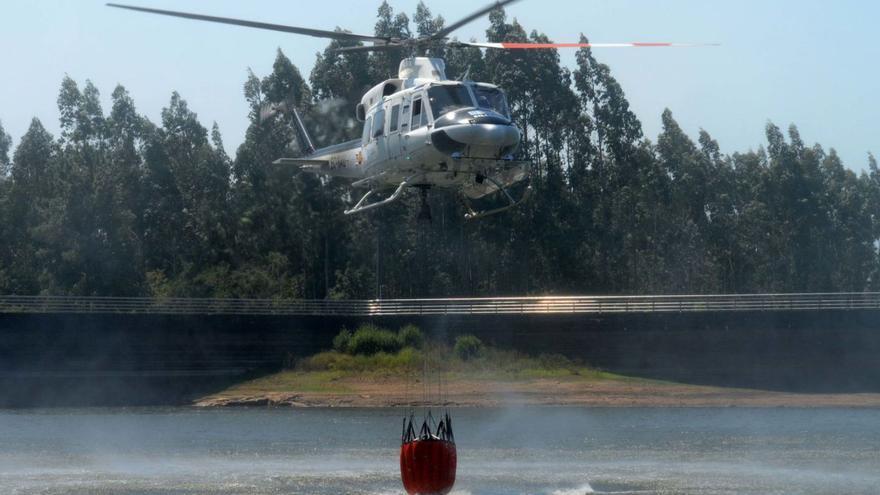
302, 162
325, 167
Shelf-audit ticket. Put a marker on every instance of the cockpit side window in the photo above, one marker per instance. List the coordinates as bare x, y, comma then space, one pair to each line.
379, 123
417, 118
492, 99
367, 128
446, 98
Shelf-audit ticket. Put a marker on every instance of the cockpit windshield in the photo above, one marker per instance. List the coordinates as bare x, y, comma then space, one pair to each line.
446, 98
492, 99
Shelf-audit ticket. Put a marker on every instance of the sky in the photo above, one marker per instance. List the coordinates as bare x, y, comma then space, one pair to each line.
812, 63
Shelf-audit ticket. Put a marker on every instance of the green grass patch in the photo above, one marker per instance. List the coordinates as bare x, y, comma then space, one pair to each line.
490, 364
400, 362
292, 381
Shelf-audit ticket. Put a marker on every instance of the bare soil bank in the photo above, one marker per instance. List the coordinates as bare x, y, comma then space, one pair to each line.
325, 389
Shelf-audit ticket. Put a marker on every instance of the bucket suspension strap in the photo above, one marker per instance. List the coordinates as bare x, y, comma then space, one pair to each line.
425, 432
449, 435
409, 432
444, 429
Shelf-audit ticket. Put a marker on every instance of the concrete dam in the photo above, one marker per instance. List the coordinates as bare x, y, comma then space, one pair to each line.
59, 351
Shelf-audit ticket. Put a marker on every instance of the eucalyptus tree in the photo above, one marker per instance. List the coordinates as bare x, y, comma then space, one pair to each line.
5, 146
871, 190
722, 216
848, 244
36, 180
384, 63
794, 192
5, 234
427, 25
615, 134
753, 221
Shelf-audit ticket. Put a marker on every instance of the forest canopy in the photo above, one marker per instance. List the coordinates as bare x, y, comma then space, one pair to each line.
117, 205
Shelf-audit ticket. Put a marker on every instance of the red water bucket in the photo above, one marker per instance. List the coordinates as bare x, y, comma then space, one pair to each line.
428, 466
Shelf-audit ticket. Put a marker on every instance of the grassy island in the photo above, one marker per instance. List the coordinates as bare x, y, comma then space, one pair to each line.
375, 367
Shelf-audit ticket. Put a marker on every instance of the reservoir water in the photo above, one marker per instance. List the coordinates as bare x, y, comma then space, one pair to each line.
552, 451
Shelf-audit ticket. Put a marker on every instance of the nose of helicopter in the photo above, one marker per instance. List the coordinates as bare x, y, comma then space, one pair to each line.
477, 140
476, 133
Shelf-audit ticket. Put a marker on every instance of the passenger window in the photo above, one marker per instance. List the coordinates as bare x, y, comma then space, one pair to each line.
379, 123
366, 136
416, 114
404, 118
395, 117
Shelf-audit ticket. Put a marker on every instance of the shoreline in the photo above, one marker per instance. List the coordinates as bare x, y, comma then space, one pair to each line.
317, 389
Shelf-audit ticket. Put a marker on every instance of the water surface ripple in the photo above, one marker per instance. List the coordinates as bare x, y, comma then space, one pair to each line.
548, 451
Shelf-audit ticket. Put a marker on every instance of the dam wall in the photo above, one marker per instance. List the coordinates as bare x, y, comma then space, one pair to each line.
134, 357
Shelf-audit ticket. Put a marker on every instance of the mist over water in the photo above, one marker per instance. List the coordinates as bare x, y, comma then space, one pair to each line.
550, 451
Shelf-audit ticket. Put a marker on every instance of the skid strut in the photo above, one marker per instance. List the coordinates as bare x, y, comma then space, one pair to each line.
360, 206
472, 214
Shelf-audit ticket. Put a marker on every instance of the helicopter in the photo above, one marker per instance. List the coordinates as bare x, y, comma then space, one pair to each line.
420, 129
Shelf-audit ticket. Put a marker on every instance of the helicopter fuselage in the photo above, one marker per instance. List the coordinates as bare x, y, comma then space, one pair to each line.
421, 130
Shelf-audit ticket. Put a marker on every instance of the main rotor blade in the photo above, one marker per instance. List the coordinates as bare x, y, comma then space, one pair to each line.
443, 33
318, 33
539, 46
367, 48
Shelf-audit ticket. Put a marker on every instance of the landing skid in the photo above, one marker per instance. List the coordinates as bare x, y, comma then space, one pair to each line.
473, 214
425, 211
360, 206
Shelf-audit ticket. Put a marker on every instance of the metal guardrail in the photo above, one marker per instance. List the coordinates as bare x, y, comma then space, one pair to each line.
448, 306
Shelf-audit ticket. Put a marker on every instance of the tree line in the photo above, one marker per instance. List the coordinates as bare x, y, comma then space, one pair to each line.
117, 205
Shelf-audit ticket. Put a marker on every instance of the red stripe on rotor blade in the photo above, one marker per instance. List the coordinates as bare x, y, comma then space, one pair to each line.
580, 45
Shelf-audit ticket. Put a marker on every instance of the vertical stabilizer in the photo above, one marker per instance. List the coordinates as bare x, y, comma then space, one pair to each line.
302, 135
288, 108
